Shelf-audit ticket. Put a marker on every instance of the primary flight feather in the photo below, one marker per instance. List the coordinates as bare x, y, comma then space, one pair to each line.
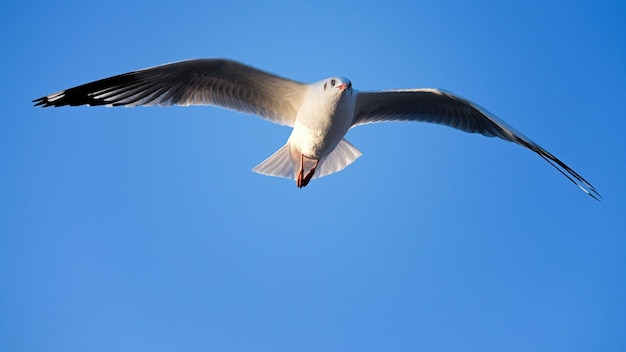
319, 113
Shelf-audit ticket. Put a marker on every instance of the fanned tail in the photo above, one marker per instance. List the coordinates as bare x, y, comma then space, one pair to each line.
343, 155
281, 164
278, 164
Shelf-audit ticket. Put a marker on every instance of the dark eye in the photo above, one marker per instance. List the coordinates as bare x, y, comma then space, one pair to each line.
332, 82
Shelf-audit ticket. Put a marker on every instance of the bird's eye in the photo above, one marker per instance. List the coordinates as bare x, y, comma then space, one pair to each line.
332, 82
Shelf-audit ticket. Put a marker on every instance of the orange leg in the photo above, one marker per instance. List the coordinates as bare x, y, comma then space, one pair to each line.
301, 179
308, 176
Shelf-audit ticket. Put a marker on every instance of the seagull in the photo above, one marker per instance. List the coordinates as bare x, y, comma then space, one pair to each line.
319, 113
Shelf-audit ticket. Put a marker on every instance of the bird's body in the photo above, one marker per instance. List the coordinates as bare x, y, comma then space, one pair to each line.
320, 113
323, 119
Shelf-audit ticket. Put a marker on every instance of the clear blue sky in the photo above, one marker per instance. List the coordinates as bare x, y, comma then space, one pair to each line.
144, 229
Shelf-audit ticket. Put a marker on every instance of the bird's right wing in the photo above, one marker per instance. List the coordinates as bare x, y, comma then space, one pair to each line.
219, 82
437, 106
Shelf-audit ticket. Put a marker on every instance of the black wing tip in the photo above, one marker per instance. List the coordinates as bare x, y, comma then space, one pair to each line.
54, 100
571, 175
43, 102
63, 99
563, 168
597, 196
591, 191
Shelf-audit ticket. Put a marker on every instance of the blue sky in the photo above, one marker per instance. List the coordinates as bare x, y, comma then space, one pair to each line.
144, 229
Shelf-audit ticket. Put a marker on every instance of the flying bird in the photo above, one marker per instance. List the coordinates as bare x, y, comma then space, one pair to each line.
319, 113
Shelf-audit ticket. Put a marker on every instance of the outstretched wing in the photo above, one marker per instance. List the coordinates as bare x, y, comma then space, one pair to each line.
219, 82
436, 106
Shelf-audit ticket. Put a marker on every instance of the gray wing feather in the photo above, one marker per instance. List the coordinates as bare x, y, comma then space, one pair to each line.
436, 106
423, 105
219, 82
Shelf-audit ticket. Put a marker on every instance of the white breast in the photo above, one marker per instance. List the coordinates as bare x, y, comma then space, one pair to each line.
321, 123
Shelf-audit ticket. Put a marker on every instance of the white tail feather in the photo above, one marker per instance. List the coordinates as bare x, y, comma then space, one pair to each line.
280, 164
343, 155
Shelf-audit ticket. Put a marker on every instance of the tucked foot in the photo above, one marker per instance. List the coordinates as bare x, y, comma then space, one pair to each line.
309, 175
301, 179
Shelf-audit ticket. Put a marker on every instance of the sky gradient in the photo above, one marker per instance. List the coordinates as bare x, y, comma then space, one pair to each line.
143, 229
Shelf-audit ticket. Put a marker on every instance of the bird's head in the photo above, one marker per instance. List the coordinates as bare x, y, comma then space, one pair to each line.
336, 85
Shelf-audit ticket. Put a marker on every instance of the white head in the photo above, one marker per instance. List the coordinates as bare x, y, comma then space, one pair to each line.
325, 99
338, 83
335, 87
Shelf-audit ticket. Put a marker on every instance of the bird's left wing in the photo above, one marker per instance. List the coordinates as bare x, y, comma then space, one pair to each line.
219, 82
437, 106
